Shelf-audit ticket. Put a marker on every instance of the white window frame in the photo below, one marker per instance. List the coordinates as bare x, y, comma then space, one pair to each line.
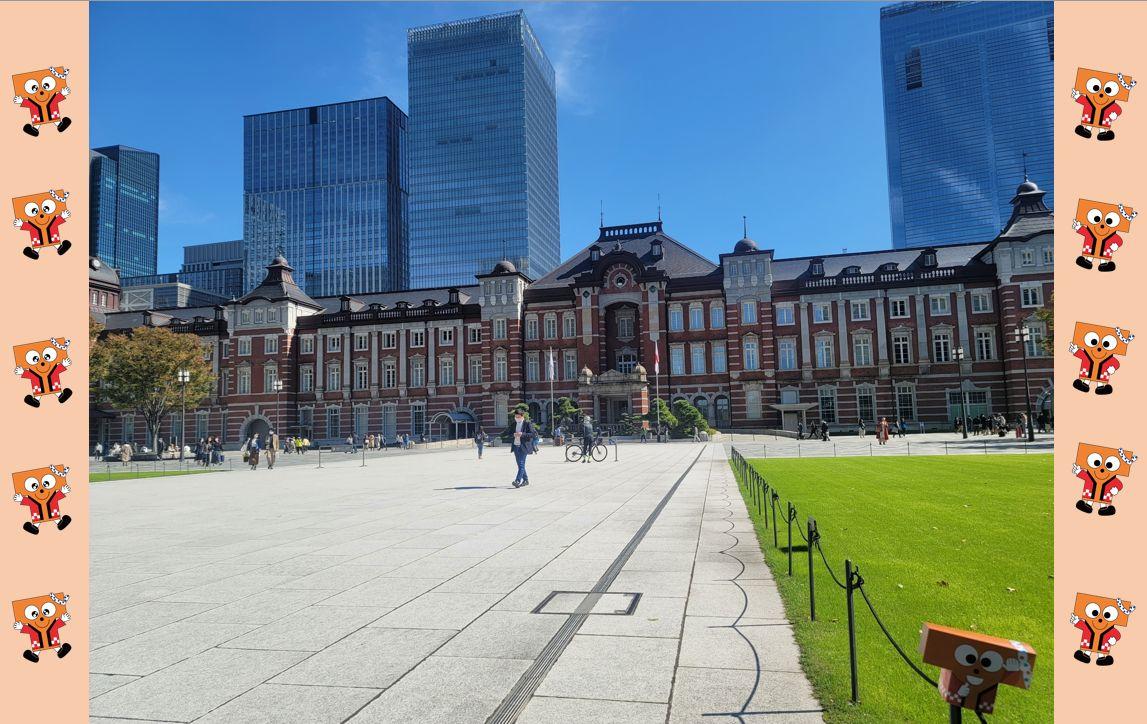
361, 375
306, 378
822, 312
786, 315
676, 318
1031, 296
569, 364
859, 310
418, 338
334, 343
981, 302
531, 327
533, 367
446, 336
474, 369
446, 370
474, 333
750, 352
905, 339
821, 396
308, 344
787, 354
361, 341
824, 349
748, 311
418, 371
984, 340
501, 366
862, 349
697, 358
500, 327
569, 325
244, 346
389, 374
550, 326
696, 316
677, 359
270, 344
902, 302
334, 378
243, 381
716, 315
939, 305
942, 347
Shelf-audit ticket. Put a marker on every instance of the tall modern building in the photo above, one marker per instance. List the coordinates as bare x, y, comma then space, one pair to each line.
218, 267
124, 230
327, 186
967, 112
484, 174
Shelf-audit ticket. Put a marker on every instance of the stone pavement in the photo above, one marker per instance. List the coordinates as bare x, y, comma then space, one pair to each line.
414, 592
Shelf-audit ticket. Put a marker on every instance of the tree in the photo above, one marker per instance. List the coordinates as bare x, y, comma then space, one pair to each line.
666, 416
630, 424
141, 373
567, 414
97, 360
688, 417
1047, 316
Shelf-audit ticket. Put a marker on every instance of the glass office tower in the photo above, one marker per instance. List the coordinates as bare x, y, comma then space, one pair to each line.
217, 267
484, 176
124, 224
967, 92
326, 186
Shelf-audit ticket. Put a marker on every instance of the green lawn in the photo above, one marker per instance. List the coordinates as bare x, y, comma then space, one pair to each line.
128, 475
961, 541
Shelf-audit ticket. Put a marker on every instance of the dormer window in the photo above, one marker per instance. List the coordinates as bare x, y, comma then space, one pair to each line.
889, 267
928, 258
851, 270
816, 267
655, 248
594, 253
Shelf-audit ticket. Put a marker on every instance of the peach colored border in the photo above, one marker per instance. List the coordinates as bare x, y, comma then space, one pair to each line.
42, 299
1092, 554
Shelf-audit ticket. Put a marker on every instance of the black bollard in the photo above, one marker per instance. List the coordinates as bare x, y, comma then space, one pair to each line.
849, 571
812, 535
790, 516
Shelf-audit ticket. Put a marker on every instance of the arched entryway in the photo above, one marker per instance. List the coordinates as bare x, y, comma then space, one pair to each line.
458, 424
256, 424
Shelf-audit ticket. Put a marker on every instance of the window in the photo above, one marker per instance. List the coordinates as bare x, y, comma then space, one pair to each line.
939, 304
531, 327
129, 427
985, 345
334, 423
824, 352
474, 333
569, 364
334, 377
720, 359
501, 367
625, 324
822, 312
334, 343
750, 353
308, 345
446, 336
902, 348
696, 316
1031, 296
749, 311
790, 396
941, 346
500, 328
859, 311
361, 376
753, 404
417, 372
227, 347
245, 316
717, 317
201, 425
787, 354
1048, 255
446, 371
417, 419
1036, 333
306, 419
260, 316
722, 417
474, 370
697, 358
306, 379
270, 374
913, 72
676, 323
361, 342
866, 402
569, 325
360, 421
533, 368
1027, 257
676, 360
898, 308
862, 350
244, 346
270, 345
626, 361
243, 386
827, 397
550, 329
905, 401
981, 302
272, 315
785, 315
417, 338
389, 374
389, 340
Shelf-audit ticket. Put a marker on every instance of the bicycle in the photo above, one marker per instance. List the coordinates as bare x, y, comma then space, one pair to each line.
597, 452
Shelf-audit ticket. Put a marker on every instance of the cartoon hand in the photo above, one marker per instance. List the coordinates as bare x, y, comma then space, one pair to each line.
17, 625
66, 489
19, 371
1076, 470
1111, 370
67, 362
66, 91
17, 100
1072, 347
17, 497
964, 690
1075, 224
65, 618
1073, 619
1111, 118
16, 223
1114, 492
66, 214
1075, 94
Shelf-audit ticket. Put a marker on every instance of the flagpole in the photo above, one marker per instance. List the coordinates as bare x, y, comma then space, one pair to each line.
657, 383
552, 371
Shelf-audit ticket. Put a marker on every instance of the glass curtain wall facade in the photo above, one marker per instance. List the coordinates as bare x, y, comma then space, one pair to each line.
327, 187
217, 267
484, 180
124, 226
967, 92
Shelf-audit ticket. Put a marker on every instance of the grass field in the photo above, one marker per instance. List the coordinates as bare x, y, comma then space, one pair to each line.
128, 475
960, 541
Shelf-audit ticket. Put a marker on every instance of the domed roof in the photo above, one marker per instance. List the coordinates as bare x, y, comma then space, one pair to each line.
745, 245
639, 369
1027, 187
504, 267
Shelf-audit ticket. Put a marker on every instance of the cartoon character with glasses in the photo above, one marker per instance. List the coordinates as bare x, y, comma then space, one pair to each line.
1099, 223
1097, 91
1099, 468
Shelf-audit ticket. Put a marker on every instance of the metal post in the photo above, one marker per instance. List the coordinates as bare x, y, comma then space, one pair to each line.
615, 451
320, 456
773, 497
791, 515
812, 535
849, 571
959, 355
1023, 335
955, 714
363, 454
764, 493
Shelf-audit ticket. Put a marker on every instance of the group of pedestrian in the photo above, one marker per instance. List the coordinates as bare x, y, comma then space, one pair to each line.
296, 445
255, 447
121, 451
209, 451
817, 430
984, 425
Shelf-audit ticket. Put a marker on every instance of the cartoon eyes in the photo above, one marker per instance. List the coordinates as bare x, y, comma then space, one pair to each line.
966, 655
991, 661
31, 612
31, 209
31, 485
1091, 339
1112, 463
1110, 613
1094, 216
32, 357
1094, 460
1093, 85
1111, 219
48, 206
48, 610
48, 83
1109, 342
49, 354
1092, 610
31, 87
1110, 88
48, 482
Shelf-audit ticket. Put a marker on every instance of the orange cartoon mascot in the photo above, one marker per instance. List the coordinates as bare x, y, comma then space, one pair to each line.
1097, 346
41, 490
42, 215
1099, 224
41, 618
1099, 468
1097, 91
42, 92
46, 361
1098, 617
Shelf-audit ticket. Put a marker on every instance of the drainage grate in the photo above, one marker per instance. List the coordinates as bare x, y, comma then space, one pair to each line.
588, 603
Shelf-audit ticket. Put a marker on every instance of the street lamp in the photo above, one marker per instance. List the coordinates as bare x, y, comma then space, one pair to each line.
184, 377
277, 386
958, 354
1023, 336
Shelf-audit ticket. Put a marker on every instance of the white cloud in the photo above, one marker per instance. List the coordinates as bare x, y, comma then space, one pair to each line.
567, 31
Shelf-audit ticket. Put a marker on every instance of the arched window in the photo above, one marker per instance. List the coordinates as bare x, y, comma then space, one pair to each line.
721, 417
702, 405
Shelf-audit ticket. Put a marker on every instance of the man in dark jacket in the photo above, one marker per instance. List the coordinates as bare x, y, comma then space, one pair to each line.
522, 441
587, 438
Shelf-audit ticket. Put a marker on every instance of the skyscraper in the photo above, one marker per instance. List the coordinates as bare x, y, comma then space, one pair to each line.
967, 93
326, 186
484, 176
218, 267
124, 230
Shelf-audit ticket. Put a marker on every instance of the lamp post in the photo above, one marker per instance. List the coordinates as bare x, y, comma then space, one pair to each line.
183, 376
1023, 336
958, 354
277, 386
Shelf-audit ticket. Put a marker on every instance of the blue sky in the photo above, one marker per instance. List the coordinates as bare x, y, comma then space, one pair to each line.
695, 101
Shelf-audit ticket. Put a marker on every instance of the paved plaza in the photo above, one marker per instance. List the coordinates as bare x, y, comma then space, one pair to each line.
425, 588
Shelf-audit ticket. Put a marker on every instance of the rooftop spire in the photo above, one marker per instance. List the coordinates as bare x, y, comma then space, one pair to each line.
1025, 154
659, 206
601, 215
745, 225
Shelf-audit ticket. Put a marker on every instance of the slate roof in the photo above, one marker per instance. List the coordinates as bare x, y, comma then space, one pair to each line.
870, 261
98, 271
279, 284
415, 297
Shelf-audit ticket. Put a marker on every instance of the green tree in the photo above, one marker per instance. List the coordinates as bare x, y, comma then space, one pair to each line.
630, 424
666, 415
142, 369
567, 414
688, 417
97, 360
1047, 316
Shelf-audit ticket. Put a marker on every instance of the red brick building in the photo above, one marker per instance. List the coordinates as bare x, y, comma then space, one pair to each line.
755, 341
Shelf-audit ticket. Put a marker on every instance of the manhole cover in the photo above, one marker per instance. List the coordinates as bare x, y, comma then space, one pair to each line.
593, 604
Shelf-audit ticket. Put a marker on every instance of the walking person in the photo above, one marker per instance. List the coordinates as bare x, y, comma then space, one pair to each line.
98, 453
272, 449
586, 438
860, 428
125, 453
253, 452
523, 436
800, 430
882, 432
480, 441
350, 443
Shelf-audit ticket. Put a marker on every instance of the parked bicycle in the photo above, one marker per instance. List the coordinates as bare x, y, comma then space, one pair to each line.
597, 452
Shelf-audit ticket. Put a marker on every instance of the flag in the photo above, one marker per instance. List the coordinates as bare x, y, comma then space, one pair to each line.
551, 366
656, 358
